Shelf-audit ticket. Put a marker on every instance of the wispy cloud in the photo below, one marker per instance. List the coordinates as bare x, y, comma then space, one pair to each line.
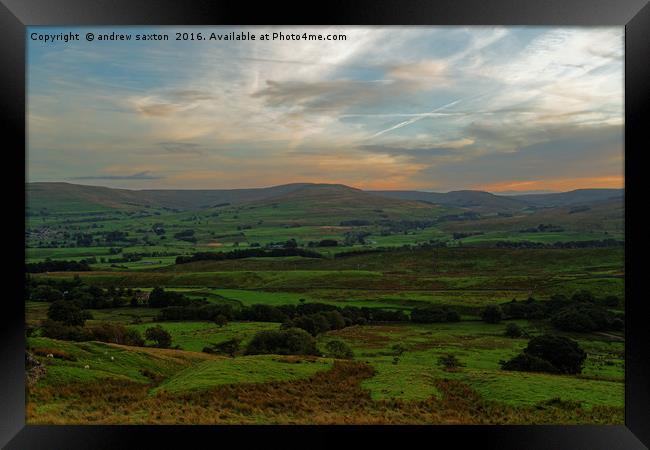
412, 107
135, 176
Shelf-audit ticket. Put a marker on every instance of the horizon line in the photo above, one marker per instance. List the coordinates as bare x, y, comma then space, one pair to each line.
508, 193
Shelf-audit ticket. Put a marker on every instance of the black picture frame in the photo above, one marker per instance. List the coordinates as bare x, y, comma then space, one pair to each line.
15, 15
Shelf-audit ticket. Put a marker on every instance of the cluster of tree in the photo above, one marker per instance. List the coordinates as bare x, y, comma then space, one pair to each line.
355, 223
159, 298
106, 332
548, 353
83, 295
403, 226
434, 314
115, 236
323, 243
467, 215
292, 341
185, 235
314, 318
317, 323
193, 310
127, 257
459, 235
355, 237
291, 243
541, 228
357, 252
247, 253
57, 266
82, 239
568, 244
582, 312
586, 318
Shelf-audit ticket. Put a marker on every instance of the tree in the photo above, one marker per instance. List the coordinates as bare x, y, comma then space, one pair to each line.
159, 335
338, 349
492, 314
45, 293
68, 313
549, 353
293, 341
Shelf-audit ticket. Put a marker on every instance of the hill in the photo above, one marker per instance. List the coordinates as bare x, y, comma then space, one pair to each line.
479, 201
575, 197
67, 197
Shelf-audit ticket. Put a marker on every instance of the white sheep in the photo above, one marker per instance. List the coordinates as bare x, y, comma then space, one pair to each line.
49, 355
86, 366
112, 359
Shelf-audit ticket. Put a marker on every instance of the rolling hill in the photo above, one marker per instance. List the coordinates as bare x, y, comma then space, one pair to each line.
67, 197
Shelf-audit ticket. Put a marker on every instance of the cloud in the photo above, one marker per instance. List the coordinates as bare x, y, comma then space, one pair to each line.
136, 176
183, 148
412, 107
418, 153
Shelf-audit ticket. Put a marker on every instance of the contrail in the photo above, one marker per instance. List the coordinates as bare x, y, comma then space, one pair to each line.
414, 119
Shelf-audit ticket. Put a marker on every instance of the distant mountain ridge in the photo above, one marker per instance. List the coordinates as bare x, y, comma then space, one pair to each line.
67, 196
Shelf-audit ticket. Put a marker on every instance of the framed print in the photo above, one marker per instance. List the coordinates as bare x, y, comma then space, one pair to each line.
405, 218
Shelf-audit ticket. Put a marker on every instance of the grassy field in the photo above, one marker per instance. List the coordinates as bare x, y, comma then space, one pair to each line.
394, 376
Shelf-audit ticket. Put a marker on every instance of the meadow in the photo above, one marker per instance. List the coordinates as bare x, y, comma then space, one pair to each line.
391, 256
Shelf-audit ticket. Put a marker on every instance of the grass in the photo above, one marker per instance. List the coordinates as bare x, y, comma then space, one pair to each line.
194, 336
479, 347
252, 369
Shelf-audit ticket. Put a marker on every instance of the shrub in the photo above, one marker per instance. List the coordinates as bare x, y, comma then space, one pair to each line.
492, 314
449, 362
221, 320
528, 363
428, 315
338, 349
398, 349
562, 352
583, 317
292, 341
229, 347
513, 331
59, 330
159, 335
549, 353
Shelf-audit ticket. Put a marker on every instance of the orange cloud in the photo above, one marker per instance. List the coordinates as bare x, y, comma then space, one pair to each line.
557, 184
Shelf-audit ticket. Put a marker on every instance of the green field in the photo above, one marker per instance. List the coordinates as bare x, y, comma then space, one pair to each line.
410, 255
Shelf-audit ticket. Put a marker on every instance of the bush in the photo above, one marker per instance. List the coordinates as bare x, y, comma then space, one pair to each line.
292, 341
221, 320
513, 331
428, 315
449, 362
528, 363
117, 334
59, 330
159, 335
338, 349
549, 353
229, 347
584, 317
492, 314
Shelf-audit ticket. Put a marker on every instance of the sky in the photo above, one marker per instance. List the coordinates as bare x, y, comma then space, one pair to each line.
500, 109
